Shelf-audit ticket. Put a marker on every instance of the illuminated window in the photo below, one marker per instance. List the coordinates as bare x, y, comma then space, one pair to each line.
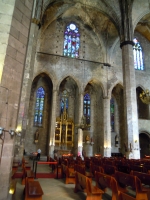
86, 107
39, 107
112, 121
71, 41
138, 57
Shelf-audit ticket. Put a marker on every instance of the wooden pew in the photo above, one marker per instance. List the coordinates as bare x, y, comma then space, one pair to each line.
33, 190
123, 168
145, 180
69, 174
83, 183
104, 181
138, 168
125, 181
27, 173
94, 168
109, 169
81, 169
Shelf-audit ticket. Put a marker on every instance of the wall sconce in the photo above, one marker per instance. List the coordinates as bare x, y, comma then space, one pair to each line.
11, 132
135, 141
1, 130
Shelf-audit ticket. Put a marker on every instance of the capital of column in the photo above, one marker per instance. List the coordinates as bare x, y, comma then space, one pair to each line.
126, 43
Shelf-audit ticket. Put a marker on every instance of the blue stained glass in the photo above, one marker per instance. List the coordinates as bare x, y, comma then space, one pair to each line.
39, 107
87, 107
71, 41
138, 56
112, 111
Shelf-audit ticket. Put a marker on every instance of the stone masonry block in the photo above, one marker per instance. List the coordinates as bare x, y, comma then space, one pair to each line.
4, 28
17, 44
18, 15
23, 39
11, 51
21, 6
5, 19
6, 8
14, 32
20, 27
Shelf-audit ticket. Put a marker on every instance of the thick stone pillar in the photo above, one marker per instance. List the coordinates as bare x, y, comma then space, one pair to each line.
80, 131
53, 124
14, 40
107, 132
132, 135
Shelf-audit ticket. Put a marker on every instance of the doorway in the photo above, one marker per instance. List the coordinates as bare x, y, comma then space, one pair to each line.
144, 144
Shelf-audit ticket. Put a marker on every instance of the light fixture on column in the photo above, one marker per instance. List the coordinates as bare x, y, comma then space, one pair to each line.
83, 125
1, 131
145, 97
11, 132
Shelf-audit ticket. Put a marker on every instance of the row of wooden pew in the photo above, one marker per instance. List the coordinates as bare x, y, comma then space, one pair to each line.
125, 184
32, 188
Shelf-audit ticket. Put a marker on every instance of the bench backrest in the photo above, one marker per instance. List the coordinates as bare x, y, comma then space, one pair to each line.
125, 180
144, 178
80, 168
109, 169
103, 181
81, 180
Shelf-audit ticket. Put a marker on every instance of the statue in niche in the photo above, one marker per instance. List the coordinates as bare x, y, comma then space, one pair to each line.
116, 141
87, 139
36, 136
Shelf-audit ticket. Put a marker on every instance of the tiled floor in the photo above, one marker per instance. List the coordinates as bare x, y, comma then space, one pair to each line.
54, 189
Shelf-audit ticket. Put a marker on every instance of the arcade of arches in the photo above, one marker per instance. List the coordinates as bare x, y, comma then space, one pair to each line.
70, 79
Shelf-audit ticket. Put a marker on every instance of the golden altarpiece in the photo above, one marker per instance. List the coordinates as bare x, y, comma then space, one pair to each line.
64, 130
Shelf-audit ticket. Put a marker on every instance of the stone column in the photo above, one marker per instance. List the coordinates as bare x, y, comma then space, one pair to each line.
53, 123
130, 106
80, 131
13, 52
107, 132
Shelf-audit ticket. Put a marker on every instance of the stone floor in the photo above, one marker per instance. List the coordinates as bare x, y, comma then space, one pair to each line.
54, 189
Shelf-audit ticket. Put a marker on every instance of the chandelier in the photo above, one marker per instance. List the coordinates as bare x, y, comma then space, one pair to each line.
145, 97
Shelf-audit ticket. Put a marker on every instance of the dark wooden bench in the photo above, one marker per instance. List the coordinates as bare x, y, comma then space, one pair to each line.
145, 180
123, 168
104, 181
95, 168
27, 173
130, 184
83, 183
81, 169
33, 190
109, 169
138, 168
68, 173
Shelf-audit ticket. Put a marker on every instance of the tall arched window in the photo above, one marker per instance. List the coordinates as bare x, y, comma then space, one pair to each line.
112, 111
87, 108
138, 56
39, 107
71, 41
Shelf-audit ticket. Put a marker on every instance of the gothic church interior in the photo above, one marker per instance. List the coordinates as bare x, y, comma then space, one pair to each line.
74, 79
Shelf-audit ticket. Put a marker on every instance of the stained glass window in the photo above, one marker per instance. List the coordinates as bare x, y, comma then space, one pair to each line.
138, 57
71, 41
112, 109
39, 107
86, 108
